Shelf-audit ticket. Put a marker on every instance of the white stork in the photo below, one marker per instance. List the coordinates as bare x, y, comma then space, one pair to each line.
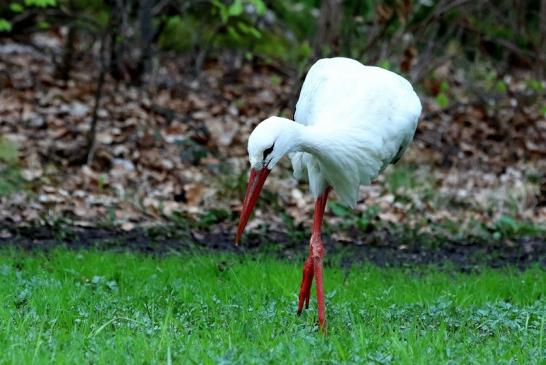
351, 121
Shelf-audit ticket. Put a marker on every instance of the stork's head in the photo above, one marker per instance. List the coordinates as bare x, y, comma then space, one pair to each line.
268, 143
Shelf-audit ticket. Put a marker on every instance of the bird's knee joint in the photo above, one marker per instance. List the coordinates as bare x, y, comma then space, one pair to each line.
317, 252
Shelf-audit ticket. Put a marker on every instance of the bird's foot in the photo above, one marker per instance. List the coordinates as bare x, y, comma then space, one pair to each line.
313, 269
317, 267
306, 281
317, 254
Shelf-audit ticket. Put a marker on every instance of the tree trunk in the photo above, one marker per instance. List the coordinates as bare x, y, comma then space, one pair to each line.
68, 54
63, 70
328, 28
147, 33
91, 135
542, 45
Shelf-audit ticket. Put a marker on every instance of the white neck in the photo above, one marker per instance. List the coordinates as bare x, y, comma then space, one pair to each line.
293, 137
307, 138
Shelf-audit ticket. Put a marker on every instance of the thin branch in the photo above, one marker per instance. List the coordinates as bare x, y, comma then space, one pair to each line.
91, 135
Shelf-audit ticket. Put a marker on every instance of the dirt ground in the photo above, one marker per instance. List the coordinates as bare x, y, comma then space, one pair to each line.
385, 249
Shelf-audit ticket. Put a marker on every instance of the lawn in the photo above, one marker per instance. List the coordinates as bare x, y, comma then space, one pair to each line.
97, 307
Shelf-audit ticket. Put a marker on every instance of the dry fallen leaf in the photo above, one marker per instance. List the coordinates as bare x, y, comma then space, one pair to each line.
172, 150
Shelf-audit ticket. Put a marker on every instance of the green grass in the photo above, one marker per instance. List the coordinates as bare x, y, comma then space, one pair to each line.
106, 307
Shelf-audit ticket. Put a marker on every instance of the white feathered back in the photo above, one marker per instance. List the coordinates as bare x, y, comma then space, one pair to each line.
359, 118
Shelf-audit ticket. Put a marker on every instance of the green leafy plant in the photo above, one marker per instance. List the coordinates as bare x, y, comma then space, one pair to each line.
401, 177
41, 3
236, 8
442, 99
536, 85
16, 7
367, 218
5, 26
506, 227
214, 216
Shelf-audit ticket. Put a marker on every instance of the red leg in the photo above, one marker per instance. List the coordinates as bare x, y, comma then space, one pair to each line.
306, 281
318, 254
313, 264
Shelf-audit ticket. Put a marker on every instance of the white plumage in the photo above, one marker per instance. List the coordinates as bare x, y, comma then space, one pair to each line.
366, 117
357, 119
351, 122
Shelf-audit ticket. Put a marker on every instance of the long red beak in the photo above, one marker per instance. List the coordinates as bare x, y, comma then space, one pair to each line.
255, 184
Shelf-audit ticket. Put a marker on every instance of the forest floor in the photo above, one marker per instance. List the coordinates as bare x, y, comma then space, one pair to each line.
173, 153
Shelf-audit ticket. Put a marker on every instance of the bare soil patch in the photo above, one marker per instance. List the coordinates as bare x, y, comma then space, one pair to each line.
521, 252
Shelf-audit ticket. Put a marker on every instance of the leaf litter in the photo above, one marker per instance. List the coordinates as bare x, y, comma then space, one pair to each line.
178, 148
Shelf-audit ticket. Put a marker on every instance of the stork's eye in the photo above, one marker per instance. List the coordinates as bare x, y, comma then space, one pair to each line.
268, 151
